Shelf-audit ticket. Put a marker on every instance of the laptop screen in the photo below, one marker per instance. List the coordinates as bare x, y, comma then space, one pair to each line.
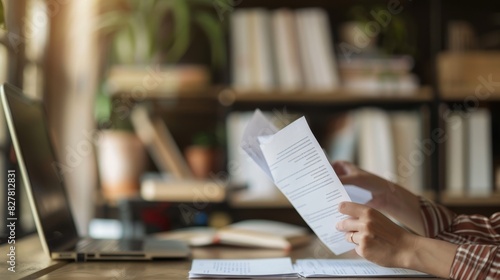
27, 122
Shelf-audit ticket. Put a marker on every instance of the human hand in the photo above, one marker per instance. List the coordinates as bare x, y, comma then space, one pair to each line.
383, 191
388, 197
378, 239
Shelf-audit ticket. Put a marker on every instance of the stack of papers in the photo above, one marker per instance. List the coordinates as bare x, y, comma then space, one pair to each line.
311, 268
283, 268
249, 268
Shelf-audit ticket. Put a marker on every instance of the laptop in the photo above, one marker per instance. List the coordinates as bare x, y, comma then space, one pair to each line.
49, 202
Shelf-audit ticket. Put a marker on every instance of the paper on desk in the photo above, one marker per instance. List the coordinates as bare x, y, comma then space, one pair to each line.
349, 268
242, 268
294, 160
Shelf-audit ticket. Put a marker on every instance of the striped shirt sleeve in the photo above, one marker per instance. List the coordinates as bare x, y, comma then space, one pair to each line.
478, 256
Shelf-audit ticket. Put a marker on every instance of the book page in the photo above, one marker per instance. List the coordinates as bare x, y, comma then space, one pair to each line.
348, 268
242, 268
300, 169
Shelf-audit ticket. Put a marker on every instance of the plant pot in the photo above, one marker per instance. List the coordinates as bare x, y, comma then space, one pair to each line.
121, 160
202, 160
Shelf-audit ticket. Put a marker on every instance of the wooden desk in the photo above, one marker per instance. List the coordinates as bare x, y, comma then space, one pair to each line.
31, 263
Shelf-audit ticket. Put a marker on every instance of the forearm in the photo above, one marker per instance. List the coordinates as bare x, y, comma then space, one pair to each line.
431, 256
404, 206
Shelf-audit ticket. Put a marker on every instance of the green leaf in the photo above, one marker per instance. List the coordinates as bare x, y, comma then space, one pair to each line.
182, 32
2, 15
102, 109
214, 31
142, 39
124, 45
112, 21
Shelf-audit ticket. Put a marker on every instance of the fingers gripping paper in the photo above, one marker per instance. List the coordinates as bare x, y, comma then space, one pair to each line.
294, 160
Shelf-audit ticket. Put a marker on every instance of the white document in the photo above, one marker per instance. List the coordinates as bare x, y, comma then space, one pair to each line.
294, 160
283, 268
358, 194
348, 268
242, 268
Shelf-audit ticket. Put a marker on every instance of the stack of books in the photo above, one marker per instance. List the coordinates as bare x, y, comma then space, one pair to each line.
375, 73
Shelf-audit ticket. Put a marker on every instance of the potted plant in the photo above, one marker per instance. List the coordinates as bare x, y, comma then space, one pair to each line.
203, 155
138, 35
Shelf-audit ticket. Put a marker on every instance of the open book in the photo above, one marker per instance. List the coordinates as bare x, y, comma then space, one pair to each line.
283, 268
248, 233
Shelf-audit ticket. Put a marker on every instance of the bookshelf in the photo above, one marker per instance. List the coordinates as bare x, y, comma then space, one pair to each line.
319, 104
322, 101
466, 65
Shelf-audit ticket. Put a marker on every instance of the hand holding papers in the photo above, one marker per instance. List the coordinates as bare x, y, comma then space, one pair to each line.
294, 160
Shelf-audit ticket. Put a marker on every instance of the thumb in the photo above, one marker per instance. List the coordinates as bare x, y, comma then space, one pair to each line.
351, 180
342, 168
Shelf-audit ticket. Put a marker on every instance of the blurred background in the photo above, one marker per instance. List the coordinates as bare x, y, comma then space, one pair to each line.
148, 100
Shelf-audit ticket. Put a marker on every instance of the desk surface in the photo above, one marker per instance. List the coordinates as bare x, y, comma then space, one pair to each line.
31, 262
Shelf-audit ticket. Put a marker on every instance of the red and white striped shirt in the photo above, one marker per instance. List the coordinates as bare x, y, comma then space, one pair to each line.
478, 237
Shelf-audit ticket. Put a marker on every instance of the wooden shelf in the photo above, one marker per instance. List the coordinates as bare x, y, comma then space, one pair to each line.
230, 96
463, 200
209, 93
227, 96
467, 94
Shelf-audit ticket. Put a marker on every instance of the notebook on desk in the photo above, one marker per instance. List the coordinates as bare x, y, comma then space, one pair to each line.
47, 194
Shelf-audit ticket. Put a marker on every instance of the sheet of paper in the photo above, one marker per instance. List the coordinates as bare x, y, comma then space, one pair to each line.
300, 169
242, 268
259, 126
348, 268
358, 194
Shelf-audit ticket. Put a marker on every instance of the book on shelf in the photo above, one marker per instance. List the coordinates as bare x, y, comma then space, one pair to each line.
375, 144
461, 36
240, 50
468, 158
375, 73
248, 233
343, 137
409, 158
251, 47
165, 188
479, 159
389, 144
282, 49
455, 156
158, 140
317, 51
289, 72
